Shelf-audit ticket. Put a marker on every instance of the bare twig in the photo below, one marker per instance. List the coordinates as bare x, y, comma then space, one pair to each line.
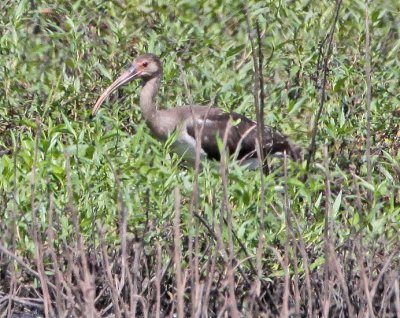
193, 259
381, 273
193, 229
83, 275
369, 97
290, 238
26, 266
12, 289
185, 82
48, 310
232, 304
180, 284
306, 262
285, 298
122, 225
57, 273
397, 296
27, 302
311, 149
158, 280
263, 169
110, 281
327, 236
336, 264
258, 93
256, 89
138, 250
364, 279
209, 282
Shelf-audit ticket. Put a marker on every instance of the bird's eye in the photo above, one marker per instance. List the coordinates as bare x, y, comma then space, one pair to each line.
144, 64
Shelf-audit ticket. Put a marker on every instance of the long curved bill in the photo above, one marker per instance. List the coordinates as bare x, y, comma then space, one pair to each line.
131, 73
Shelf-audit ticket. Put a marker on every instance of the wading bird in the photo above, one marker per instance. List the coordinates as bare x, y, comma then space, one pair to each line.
212, 123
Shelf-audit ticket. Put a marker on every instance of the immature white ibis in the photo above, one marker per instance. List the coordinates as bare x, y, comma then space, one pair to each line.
241, 136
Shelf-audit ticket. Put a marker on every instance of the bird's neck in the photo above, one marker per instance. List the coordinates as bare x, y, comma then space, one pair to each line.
147, 97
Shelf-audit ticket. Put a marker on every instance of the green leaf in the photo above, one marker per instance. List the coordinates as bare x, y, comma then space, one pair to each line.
336, 204
294, 109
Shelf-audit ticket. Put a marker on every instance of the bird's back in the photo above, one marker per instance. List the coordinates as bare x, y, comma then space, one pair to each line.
215, 124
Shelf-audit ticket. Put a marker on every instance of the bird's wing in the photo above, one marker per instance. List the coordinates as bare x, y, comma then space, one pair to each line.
241, 138
214, 128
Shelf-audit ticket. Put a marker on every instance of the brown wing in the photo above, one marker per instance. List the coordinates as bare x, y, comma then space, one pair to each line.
214, 129
242, 133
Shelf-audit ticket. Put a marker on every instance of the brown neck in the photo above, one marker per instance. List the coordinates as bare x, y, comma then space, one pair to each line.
147, 96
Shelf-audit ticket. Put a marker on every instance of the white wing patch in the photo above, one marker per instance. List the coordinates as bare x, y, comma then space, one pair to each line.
251, 164
200, 122
185, 147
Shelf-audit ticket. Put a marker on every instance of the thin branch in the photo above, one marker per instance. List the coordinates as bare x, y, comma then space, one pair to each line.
26, 302
51, 250
234, 312
27, 268
123, 224
180, 285
48, 310
107, 270
158, 280
290, 237
256, 89
312, 147
364, 279
369, 97
327, 236
259, 95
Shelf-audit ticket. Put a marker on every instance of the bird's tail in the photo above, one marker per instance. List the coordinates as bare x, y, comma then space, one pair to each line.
292, 150
278, 143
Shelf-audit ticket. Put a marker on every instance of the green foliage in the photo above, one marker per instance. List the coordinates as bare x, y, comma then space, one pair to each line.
56, 59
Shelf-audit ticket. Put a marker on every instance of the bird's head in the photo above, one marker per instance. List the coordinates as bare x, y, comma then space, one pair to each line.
146, 67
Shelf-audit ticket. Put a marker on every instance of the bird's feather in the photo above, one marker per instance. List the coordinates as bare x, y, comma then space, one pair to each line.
241, 136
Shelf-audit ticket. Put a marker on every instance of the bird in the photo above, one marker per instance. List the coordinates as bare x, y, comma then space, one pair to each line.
209, 124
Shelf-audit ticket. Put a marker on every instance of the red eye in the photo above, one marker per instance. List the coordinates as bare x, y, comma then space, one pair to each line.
144, 64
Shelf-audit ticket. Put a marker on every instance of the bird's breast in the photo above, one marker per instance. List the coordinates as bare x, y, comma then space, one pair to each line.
162, 126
